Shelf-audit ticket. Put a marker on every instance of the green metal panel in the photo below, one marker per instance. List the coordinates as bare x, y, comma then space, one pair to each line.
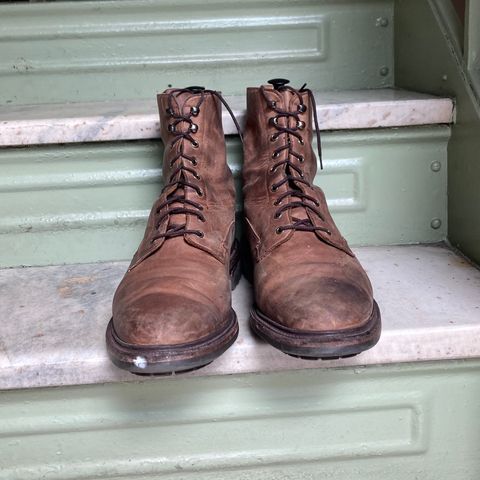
472, 43
392, 423
420, 30
87, 203
90, 50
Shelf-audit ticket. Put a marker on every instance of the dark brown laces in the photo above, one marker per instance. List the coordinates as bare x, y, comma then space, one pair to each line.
292, 159
178, 178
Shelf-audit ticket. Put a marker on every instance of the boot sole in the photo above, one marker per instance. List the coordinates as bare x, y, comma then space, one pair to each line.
165, 360
330, 345
161, 360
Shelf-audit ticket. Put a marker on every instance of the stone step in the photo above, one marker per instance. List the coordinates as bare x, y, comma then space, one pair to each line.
55, 319
138, 120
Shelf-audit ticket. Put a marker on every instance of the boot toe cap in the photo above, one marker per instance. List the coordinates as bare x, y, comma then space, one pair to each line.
320, 305
164, 320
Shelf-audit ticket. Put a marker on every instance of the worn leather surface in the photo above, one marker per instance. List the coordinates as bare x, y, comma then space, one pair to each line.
177, 290
303, 280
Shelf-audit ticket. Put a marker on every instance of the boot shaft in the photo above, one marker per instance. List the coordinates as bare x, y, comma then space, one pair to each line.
197, 204
278, 138
192, 132
281, 202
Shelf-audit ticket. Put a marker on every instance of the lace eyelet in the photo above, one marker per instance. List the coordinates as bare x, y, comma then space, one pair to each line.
275, 155
272, 104
301, 158
171, 128
272, 170
301, 141
302, 108
194, 111
200, 192
300, 125
194, 128
197, 176
169, 111
273, 121
273, 138
277, 215
194, 162
201, 234
195, 144
278, 230
273, 188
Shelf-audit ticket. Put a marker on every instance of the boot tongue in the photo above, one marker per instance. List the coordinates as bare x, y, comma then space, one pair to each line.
298, 214
178, 221
184, 103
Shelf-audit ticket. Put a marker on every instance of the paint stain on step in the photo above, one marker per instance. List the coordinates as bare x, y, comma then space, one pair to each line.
67, 286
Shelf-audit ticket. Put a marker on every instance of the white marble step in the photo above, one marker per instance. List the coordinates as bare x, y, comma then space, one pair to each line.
138, 120
54, 318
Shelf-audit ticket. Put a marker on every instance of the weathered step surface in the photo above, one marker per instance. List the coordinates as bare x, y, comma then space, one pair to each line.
54, 318
138, 120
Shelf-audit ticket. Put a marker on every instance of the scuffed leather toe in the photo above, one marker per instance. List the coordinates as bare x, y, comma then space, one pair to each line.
165, 320
319, 304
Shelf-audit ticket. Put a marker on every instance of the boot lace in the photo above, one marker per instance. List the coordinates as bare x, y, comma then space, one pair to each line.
185, 163
292, 160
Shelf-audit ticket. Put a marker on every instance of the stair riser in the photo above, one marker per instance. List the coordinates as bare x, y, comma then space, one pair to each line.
78, 51
87, 203
393, 423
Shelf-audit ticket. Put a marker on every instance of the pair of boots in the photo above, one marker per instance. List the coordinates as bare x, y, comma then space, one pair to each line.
172, 310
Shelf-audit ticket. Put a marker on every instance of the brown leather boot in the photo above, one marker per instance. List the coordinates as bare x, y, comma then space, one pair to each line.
312, 297
172, 310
